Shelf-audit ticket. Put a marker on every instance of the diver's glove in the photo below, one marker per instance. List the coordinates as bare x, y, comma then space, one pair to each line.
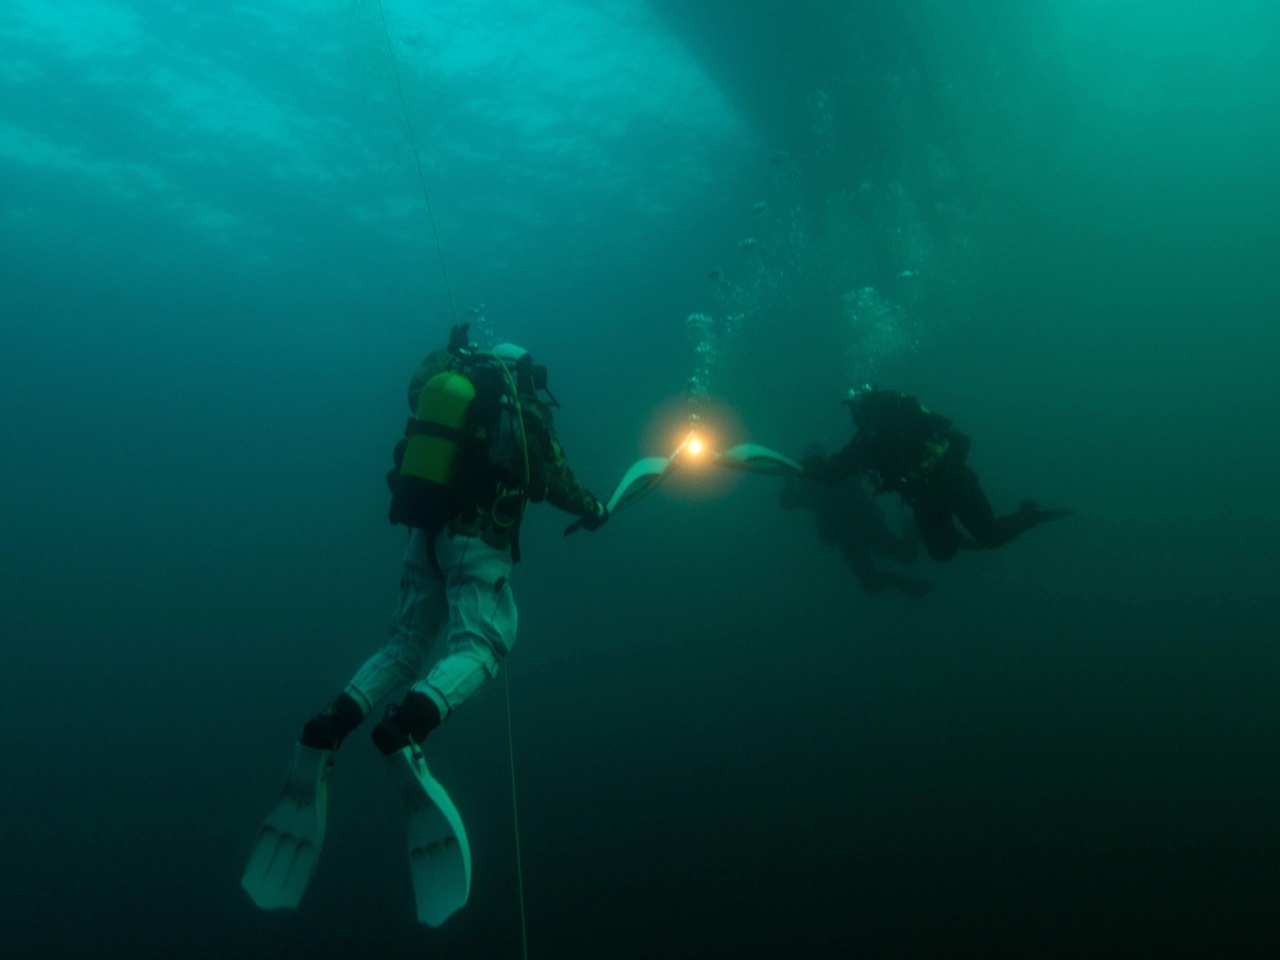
459, 337
592, 521
598, 519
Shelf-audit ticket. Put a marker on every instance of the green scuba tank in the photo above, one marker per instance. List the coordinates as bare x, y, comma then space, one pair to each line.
434, 451
463, 450
438, 452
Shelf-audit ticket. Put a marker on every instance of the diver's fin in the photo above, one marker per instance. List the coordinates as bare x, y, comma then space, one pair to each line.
643, 476
753, 458
287, 849
1037, 514
439, 855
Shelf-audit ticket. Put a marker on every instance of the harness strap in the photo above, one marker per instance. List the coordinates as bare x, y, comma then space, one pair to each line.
432, 536
429, 428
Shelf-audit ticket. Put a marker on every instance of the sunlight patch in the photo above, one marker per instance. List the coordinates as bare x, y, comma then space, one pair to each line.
19, 71
75, 28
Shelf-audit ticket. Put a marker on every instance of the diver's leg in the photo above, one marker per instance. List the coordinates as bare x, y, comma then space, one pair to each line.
480, 631
417, 620
973, 509
885, 543
482, 622
858, 556
933, 520
874, 580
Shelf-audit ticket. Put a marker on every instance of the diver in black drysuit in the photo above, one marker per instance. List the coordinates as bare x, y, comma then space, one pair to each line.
850, 519
920, 455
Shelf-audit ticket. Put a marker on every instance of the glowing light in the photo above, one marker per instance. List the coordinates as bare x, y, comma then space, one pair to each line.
693, 446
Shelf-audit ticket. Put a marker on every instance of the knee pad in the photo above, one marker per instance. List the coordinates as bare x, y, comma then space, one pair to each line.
410, 722
328, 728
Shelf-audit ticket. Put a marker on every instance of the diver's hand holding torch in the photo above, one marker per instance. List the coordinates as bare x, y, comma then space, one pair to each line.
592, 522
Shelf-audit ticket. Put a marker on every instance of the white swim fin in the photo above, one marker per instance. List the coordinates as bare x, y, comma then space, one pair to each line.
753, 458
287, 849
439, 855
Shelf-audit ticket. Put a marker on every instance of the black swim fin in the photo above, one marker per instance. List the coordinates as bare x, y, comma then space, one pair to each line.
1035, 514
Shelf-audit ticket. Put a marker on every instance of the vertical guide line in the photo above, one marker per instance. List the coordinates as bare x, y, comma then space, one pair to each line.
417, 158
515, 814
444, 270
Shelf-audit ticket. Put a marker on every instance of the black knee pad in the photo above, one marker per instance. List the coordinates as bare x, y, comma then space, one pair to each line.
410, 722
327, 729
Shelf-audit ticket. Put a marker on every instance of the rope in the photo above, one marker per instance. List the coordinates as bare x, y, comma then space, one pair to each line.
453, 305
515, 815
417, 159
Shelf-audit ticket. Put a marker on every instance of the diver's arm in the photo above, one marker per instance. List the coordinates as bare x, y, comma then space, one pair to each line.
839, 466
549, 475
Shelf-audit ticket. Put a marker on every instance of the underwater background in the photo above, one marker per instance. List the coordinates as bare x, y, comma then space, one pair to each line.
1055, 221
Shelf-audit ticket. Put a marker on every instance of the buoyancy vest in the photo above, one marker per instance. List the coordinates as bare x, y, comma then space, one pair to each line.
907, 443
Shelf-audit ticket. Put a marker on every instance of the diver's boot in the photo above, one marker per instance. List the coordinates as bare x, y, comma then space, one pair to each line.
406, 724
328, 728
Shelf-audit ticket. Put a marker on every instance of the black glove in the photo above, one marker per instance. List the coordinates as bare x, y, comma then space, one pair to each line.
459, 337
598, 519
592, 521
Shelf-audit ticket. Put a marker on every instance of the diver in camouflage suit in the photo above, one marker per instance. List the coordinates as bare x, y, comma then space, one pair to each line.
456, 581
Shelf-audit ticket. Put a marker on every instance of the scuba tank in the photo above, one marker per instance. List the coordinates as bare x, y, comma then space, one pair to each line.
427, 491
463, 450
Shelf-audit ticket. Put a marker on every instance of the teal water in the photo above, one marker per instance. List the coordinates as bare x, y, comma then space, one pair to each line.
1054, 222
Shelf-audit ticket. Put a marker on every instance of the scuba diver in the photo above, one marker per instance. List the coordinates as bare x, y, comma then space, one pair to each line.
480, 444
904, 447
850, 519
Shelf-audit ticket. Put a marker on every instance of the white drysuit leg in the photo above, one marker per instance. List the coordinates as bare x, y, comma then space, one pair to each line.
481, 627
474, 604
418, 618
